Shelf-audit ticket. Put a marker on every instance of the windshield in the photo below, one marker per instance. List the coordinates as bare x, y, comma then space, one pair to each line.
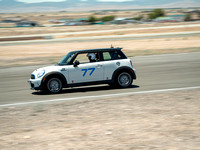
66, 60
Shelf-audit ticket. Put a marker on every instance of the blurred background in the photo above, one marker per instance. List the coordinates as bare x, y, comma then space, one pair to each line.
43, 31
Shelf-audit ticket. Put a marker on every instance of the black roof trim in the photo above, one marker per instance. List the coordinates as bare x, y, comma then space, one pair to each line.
96, 50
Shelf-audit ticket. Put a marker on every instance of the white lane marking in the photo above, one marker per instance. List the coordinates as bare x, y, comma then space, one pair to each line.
100, 96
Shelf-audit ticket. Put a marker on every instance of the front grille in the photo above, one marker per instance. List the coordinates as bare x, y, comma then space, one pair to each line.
32, 76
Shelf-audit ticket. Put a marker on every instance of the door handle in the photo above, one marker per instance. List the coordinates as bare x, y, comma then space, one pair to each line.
99, 66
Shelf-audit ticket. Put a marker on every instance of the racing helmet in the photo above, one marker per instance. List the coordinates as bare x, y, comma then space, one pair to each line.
91, 56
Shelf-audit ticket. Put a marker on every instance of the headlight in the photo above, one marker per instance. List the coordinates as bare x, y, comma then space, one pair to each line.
41, 73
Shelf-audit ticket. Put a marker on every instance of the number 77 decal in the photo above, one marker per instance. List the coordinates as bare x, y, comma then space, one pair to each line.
85, 71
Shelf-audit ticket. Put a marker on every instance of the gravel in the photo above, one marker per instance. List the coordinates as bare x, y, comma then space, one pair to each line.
146, 121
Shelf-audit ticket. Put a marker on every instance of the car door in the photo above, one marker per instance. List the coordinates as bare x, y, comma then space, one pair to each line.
86, 71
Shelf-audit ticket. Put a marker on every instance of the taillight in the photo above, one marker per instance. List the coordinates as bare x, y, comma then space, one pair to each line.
131, 63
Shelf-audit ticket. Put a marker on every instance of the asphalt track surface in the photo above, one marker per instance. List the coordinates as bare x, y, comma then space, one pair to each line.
153, 73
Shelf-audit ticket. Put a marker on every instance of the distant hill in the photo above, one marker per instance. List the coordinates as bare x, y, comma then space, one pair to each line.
7, 3
13, 6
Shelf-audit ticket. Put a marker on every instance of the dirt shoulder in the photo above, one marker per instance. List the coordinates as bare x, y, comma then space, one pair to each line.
147, 121
70, 29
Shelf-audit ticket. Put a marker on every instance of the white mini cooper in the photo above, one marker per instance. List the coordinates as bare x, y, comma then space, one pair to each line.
85, 67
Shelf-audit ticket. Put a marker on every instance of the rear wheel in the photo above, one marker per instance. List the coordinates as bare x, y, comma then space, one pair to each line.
54, 85
124, 80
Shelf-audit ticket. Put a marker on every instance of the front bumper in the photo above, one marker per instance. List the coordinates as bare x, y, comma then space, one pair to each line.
35, 84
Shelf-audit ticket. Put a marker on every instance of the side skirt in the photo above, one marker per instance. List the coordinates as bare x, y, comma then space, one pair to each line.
89, 83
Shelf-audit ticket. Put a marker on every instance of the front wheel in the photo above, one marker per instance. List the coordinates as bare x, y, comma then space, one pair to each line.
124, 80
54, 85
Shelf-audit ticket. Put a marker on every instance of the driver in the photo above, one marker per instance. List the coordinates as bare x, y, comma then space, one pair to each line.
91, 57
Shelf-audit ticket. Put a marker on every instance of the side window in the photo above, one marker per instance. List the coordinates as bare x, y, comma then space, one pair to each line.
115, 55
87, 58
106, 56
82, 58
111, 55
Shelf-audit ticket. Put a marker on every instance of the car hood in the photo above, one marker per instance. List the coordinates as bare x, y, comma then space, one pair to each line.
47, 69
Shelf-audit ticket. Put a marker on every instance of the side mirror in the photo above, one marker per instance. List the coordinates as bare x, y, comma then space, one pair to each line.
76, 63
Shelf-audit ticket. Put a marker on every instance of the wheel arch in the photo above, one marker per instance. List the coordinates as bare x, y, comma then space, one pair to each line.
54, 74
123, 69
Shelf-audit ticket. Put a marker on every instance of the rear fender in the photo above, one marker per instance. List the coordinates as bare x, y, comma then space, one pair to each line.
124, 69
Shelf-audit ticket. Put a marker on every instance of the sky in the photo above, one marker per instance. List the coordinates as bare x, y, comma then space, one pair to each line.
37, 1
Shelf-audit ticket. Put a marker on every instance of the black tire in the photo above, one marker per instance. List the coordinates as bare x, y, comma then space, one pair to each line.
124, 80
54, 85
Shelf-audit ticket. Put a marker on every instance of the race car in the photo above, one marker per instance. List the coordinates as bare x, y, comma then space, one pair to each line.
85, 67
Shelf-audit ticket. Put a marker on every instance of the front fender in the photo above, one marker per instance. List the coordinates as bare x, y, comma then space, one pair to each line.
54, 74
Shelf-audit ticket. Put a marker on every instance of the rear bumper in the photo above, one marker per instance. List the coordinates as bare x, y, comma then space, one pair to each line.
133, 74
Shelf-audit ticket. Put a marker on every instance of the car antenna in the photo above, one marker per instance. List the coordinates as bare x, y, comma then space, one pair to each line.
111, 46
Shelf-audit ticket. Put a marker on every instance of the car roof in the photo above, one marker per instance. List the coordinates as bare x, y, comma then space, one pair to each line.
97, 50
